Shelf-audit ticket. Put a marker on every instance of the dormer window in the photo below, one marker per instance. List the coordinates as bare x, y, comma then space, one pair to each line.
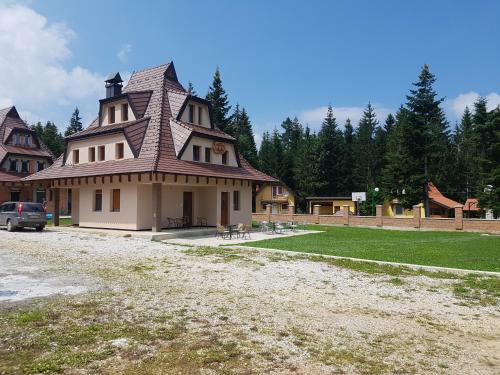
24, 166
13, 166
191, 113
208, 154
119, 150
200, 115
111, 115
40, 165
17, 139
124, 112
196, 153
91, 154
27, 140
224, 158
101, 153
76, 156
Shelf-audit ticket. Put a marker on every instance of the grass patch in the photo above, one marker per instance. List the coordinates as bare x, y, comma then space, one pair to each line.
479, 290
444, 249
63, 222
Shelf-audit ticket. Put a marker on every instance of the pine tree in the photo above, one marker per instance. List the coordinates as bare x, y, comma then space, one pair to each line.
50, 136
330, 155
190, 89
465, 153
348, 159
291, 138
75, 123
364, 150
428, 137
307, 180
220, 104
241, 128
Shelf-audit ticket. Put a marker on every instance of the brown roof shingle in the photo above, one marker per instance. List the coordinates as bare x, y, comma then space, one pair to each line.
158, 142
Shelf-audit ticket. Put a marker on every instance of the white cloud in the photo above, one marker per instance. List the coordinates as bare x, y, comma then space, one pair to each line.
314, 117
124, 51
455, 107
32, 72
258, 139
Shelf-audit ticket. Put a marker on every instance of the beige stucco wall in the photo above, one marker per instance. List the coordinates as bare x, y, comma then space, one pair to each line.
215, 158
205, 117
118, 112
109, 141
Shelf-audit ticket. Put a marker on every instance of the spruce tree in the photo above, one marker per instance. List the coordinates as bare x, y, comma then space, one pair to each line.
364, 150
190, 89
220, 104
291, 138
330, 155
465, 154
49, 135
75, 123
241, 128
348, 159
428, 137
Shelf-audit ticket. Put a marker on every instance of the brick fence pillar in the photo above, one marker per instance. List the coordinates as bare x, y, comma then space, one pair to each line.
416, 216
346, 213
268, 212
316, 208
459, 217
291, 211
380, 218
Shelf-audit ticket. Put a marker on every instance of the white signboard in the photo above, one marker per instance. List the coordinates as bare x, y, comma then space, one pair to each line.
359, 196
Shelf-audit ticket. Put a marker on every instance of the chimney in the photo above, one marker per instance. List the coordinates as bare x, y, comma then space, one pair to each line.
113, 85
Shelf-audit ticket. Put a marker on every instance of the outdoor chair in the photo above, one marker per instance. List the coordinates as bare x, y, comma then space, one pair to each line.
179, 222
243, 231
222, 232
171, 223
264, 227
202, 222
292, 225
279, 228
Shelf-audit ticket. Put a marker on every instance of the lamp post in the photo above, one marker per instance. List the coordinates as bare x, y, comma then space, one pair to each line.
374, 193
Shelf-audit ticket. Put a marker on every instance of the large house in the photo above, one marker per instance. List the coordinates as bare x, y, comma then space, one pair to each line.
279, 196
152, 159
21, 154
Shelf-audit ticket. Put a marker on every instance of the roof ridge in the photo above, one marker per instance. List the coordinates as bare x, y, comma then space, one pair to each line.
151, 68
156, 156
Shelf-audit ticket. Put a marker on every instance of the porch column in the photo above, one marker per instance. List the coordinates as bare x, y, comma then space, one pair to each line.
416, 216
291, 211
380, 219
268, 212
316, 213
156, 206
55, 217
459, 217
346, 212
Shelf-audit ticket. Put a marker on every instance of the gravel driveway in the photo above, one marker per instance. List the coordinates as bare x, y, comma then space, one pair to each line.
150, 307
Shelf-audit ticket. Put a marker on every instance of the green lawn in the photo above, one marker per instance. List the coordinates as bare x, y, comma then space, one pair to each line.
446, 249
63, 222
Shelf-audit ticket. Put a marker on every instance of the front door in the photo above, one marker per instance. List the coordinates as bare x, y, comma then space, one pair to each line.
224, 208
187, 208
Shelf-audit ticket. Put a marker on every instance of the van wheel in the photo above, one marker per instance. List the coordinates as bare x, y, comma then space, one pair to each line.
10, 226
39, 229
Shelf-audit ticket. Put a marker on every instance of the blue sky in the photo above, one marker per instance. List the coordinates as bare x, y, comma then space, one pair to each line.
277, 58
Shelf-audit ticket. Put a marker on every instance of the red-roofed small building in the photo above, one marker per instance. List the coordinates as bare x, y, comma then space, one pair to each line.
440, 206
153, 159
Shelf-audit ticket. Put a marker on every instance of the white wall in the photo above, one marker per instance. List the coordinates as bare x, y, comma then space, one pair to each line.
244, 215
118, 112
109, 142
205, 117
215, 158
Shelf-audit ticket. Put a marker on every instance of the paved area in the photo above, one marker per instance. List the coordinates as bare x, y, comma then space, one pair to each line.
155, 308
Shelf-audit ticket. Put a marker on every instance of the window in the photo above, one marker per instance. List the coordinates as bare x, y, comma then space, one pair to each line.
236, 200
98, 200
40, 165
76, 156
191, 113
224, 158
101, 153
24, 166
200, 115
277, 190
13, 166
208, 154
284, 206
111, 115
119, 150
27, 140
124, 112
40, 195
115, 200
196, 153
17, 139
398, 209
91, 154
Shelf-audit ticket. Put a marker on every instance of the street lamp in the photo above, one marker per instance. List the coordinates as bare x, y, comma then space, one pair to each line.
374, 192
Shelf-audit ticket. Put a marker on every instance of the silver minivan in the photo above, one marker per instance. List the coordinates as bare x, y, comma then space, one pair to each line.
15, 215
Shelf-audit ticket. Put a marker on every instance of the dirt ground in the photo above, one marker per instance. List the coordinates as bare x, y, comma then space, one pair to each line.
132, 306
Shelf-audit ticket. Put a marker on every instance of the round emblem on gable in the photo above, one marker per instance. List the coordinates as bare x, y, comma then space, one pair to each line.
219, 147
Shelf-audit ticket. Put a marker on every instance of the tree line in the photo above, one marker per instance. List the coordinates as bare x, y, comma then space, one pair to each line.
399, 155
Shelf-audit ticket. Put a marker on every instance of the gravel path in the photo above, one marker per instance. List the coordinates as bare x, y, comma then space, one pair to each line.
265, 312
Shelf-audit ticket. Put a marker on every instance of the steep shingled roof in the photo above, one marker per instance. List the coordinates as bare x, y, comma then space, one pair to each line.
437, 197
160, 142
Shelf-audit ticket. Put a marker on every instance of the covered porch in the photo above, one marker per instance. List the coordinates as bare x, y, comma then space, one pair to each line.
156, 201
